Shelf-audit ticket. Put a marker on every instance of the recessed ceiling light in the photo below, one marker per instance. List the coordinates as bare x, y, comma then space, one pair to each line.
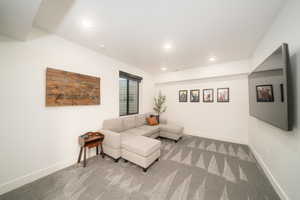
168, 46
212, 59
163, 69
86, 23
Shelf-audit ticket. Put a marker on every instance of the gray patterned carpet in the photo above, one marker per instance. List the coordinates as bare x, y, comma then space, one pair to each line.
194, 168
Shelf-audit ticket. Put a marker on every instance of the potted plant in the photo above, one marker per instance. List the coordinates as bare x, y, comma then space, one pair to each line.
159, 106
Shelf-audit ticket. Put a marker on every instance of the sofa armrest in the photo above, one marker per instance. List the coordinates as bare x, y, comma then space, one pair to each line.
163, 121
111, 138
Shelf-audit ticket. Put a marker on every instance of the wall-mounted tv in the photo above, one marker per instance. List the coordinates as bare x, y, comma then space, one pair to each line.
269, 89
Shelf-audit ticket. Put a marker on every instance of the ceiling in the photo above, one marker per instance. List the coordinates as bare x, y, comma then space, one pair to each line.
135, 31
16, 17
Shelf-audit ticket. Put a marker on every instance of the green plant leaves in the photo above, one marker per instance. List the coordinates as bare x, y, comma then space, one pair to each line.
159, 102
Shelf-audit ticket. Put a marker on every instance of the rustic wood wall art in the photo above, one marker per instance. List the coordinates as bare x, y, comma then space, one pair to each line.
68, 88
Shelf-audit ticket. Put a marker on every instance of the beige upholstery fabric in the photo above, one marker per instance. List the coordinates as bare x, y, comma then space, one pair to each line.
141, 145
113, 152
147, 130
115, 125
155, 135
142, 131
171, 128
129, 123
134, 131
111, 138
169, 135
140, 120
111, 143
140, 160
125, 136
163, 121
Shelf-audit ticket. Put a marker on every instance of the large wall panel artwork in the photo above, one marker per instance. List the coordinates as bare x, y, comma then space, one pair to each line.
68, 88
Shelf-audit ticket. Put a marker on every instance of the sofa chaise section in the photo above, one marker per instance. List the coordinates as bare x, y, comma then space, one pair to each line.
141, 150
171, 131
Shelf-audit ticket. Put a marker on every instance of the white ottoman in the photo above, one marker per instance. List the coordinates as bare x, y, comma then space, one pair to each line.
141, 150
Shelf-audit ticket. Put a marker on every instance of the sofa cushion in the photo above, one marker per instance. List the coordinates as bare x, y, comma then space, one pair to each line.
142, 131
115, 125
129, 122
147, 130
133, 131
171, 128
126, 136
141, 145
140, 120
152, 121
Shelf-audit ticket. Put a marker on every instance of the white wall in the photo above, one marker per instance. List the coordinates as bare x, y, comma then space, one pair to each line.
223, 121
278, 150
36, 140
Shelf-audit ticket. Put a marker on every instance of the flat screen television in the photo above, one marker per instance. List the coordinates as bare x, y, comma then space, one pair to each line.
269, 89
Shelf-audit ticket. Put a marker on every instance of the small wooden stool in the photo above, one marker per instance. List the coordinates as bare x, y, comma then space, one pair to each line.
90, 140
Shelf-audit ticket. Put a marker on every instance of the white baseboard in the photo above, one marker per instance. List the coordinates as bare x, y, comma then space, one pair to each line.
20, 181
267, 171
219, 138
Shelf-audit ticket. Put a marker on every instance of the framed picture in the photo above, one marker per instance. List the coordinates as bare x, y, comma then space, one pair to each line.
264, 93
194, 95
223, 94
208, 95
183, 95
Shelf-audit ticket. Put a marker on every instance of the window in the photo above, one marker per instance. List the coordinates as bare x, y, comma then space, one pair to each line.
129, 93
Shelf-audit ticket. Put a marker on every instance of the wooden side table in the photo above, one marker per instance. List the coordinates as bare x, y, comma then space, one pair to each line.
90, 140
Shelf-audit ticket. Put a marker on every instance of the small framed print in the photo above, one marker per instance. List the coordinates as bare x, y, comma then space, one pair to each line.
223, 94
183, 95
194, 95
264, 93
208, 95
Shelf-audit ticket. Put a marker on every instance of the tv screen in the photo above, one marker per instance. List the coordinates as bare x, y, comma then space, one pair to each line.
268, 89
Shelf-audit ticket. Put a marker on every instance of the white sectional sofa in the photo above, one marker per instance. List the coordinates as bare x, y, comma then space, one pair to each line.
132, 139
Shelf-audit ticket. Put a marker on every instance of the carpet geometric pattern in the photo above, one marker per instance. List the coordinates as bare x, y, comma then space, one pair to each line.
193, 169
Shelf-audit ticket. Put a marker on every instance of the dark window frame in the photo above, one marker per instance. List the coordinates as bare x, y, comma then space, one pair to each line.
131, 77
